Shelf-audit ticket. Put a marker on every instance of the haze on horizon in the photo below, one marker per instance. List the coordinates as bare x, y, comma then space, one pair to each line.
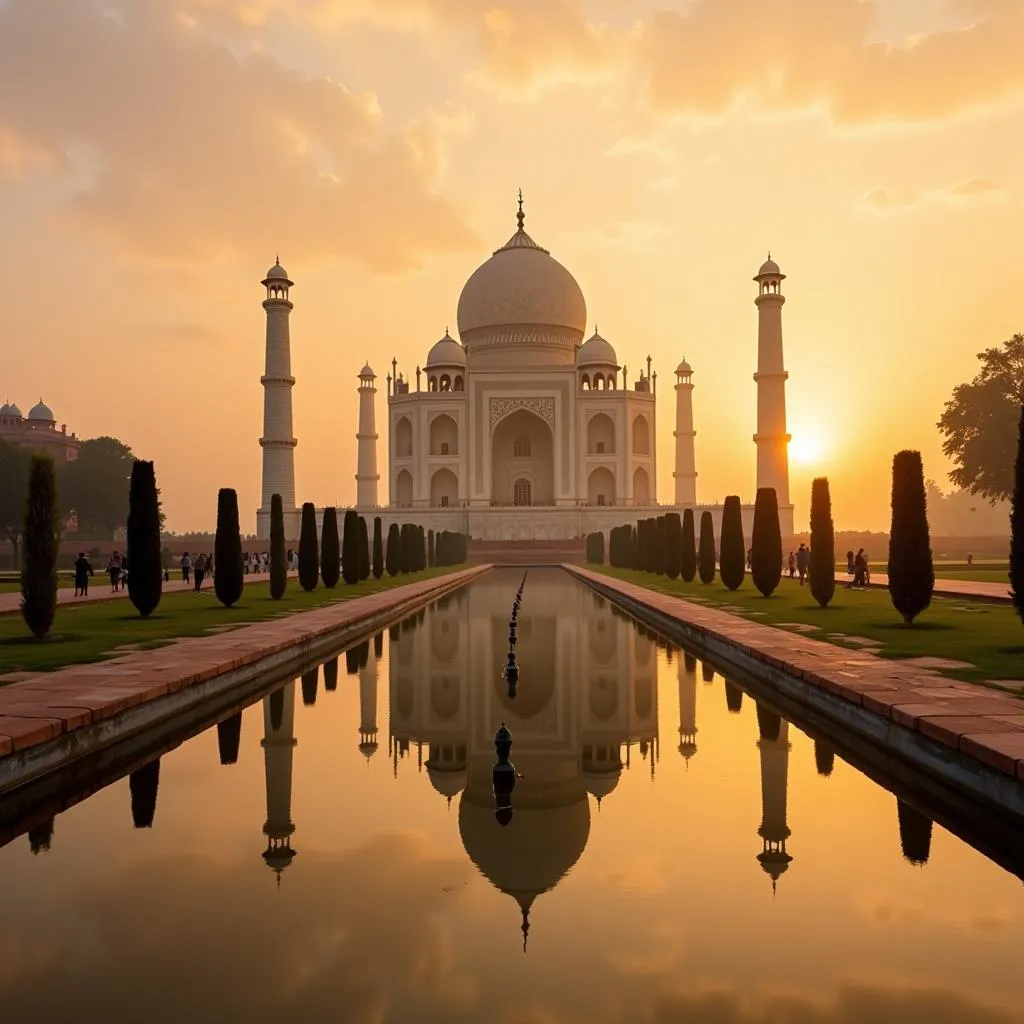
155, 155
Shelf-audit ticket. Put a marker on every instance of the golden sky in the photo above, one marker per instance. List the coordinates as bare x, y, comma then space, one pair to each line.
156, 154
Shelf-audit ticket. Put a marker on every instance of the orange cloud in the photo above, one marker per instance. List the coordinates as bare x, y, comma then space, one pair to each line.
882, 201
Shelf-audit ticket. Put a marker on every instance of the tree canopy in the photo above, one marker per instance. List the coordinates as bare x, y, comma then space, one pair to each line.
95, 486
14, 462
979, 422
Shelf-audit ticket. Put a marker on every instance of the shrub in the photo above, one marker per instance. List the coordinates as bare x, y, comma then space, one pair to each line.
393, 550
1017, 524
40, 540
688, 558
278, 556
430, 549
706, 555
377, 560
145, 559
674, 545
732, 560
330, 554
821, 569
765, 542
309, 556
228, 580
911, 574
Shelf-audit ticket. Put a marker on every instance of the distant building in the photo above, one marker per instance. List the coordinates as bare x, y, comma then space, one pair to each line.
38, 431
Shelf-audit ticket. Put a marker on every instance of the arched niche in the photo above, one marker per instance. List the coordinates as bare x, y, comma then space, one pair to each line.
641, 436
444, 436
403, 489
444, 489
641, 487
601, 435
403, 438
603, 697
444, 696
522, 449
601, 487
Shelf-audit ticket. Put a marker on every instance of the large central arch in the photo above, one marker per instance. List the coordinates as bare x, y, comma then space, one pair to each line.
523, 453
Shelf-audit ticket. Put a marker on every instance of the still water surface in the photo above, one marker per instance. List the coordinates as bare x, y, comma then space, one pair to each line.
348, 865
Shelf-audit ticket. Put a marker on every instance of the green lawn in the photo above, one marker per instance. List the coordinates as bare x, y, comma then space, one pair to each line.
89, 632
977, 575
989, 636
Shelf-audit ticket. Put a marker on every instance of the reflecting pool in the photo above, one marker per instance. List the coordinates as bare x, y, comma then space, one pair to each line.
676, 852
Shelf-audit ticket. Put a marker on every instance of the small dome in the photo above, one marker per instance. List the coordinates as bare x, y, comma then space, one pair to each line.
13, 410
446, 352
277, 273
41, 413
447, 782
5, 409
595, 350
684, 369
367, 373
769, 269
600, 783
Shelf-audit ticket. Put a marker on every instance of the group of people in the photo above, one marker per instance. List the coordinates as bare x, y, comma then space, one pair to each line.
797, 563
197, 569
117, 570
858, 567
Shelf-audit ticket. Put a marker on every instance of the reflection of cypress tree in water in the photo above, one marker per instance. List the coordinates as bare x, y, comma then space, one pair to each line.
394, 632
352, 661
378, 645
277, 709
707, 672
915, 833
229, 735
824, 757
733, 698
143, 785
421, 616
40, 836
406, 625
690, 662
309, 685
331, 675
363, 653
768, 723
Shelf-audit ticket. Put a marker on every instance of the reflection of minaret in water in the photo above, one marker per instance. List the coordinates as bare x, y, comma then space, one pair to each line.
368, 708
687, 709
774, 747
278, 746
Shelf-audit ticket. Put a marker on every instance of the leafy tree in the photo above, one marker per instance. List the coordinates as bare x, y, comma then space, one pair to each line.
95, 487
706, 554
674, 544
732, 559
980, 422
330, 556
41, 534
14, 467
688, 555
364, 549
430, 549
1017, 524
228, 579
378, 549
350, 548
911, 573
278, 555
822, 567
145, 561
309, 556
765, 542
394, 553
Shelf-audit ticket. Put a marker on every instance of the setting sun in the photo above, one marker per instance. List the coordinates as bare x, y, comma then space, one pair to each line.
806, 449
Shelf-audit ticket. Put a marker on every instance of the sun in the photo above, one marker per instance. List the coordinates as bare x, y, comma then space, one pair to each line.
806, 449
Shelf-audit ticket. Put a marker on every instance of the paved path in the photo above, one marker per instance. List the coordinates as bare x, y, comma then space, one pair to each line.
946, 588
981, 723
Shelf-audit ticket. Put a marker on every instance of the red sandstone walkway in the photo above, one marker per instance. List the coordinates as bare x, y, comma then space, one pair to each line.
946, 588
981, 723
41, 706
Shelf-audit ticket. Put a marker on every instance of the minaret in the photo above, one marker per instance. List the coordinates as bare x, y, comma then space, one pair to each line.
366, 461
277, 442
771, 438
686, 466
368, 708
278, 746
687, 709
774, 747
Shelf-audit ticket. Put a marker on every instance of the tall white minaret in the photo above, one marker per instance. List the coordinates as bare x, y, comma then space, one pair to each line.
368, 708
277, 442
771, 438
366, 457
774, 747
686, 466
278, 746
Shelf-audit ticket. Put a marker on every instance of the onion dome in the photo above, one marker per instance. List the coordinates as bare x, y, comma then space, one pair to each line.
13, 410
449, 782
596, 351
600, 783
366, 373
277, 272
5, 409
684, 369
769, 269
41, 413
446, 352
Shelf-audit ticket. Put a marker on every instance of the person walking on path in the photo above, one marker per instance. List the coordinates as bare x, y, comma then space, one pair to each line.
83, 570
792, 565
803, 561
200, 571
114, 571
186, 567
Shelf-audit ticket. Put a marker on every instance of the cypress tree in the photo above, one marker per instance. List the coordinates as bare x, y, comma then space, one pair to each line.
405, 548
309, 556
430, 549
644, 557
144, 782
733, 698
229, 735
674, 545
331, 674
1017, 524
911, 574
378, 644
732, 560
824, 755
40, 541
227, 550
145, 564
821, 569
661, 545
634, 547
278, 556
393, 550
378, 549
330, 555
688, 561
915, 833
310, 682
766, 542
364, 549
350, 547
706, 555
595, 548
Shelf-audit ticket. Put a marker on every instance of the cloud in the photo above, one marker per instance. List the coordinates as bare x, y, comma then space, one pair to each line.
796, 56
186, 151
883, 201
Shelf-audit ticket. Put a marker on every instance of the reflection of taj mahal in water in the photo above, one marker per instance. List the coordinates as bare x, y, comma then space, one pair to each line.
586, 710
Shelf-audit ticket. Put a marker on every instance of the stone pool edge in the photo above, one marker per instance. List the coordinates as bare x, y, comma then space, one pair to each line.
964, 753
147, 695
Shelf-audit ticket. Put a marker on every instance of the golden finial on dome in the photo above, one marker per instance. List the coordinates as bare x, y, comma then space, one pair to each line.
520, 216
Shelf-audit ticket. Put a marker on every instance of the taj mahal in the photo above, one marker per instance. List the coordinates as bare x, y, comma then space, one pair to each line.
521, 428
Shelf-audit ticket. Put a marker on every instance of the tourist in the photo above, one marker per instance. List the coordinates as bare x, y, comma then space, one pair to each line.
199, 571
860, 571
970, 559
114, 571
803, 561
289, 557
210, 571
750, 557
83, 570
849, 563
792, 565
186, 567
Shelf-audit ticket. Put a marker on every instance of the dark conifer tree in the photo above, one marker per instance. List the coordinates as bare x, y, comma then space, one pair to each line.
309, 556
40, 542
674, 545
405, 548
1017, 524
352, 661
688, 558
732, 557
430, 549
377, 558
706, 555
143, 785
911, 573
278, 555
634, 547
229, 578
229, 736
145, 564
661, 546
40, 836
350, 541
821, 570
394, 552
330, 553
766, 542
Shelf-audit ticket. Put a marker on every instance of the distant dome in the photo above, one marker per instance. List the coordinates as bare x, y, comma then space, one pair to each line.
446, 352
367, 372
596, 350
5, 409
449, 782
41, 413
769, 269
684, 368
13, 410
